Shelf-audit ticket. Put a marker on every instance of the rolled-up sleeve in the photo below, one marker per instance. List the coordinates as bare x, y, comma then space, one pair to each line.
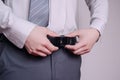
99, 13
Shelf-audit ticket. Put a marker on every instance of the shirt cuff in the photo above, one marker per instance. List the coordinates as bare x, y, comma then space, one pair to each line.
18, 31
98, 24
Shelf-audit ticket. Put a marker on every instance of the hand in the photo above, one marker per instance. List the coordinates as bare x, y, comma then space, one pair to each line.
37, 43
88, 38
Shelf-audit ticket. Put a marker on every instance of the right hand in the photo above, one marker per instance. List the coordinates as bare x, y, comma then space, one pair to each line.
37, 43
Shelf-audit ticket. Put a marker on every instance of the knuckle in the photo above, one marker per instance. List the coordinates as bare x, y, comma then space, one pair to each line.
38, 47
87, 51
74, 52
30, 51
78, 53
44, 43
52, 49
87, 47
34, 51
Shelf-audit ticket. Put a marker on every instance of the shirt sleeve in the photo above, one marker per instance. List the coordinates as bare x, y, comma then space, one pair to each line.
99, 13
13, 27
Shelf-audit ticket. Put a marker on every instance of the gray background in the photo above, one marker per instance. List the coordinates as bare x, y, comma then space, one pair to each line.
103, 62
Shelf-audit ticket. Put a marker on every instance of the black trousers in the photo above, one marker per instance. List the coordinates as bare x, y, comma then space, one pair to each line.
17, 64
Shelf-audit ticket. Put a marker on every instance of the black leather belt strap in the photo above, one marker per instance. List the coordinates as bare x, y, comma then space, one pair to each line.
57, 41
62, 41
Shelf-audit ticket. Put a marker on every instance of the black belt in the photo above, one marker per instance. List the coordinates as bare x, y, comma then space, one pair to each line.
56, 41
62, 41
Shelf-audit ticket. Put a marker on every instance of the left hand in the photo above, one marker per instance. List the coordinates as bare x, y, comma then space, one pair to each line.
88, 38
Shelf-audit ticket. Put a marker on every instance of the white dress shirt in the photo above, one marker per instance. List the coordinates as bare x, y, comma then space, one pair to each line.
16, 27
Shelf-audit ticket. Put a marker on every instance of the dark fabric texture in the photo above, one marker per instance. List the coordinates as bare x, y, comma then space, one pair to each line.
17, 64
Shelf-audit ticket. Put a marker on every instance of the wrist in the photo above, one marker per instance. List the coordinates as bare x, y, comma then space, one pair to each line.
97, 33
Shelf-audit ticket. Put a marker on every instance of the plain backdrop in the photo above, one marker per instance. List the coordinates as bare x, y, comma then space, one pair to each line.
103, 62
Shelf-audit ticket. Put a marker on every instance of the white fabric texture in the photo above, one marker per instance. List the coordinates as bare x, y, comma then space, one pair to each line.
15, 25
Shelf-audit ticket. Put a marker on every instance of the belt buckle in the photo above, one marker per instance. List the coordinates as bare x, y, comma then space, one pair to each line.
62, 41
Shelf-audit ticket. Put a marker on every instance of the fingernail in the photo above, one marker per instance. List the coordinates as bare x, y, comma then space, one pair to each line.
56, 48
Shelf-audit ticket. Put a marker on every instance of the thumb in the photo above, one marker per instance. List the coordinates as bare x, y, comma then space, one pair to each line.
73, 34
51, 33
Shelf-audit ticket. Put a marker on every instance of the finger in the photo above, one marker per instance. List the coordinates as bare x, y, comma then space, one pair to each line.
29, 50
81, 50
39, 53
50, 46
71, 47
34, 54
72, 34
76, 46
44, 50
84, 52
51, 33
